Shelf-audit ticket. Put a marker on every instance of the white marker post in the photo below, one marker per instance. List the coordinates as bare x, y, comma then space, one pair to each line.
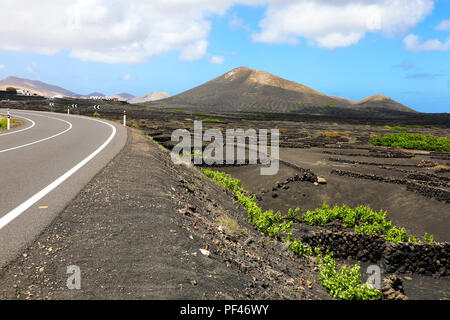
8, 121
68, 110
125, 118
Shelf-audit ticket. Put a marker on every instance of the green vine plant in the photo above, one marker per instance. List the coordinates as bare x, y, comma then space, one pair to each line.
364, 221
344, 283
340, 284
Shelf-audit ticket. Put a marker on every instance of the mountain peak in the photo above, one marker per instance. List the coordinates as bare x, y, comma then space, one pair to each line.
236, 73
243, 69
375, 97
258, 78
246, 89
12, 78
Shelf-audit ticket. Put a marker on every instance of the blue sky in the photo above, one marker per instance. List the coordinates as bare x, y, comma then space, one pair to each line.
404, 54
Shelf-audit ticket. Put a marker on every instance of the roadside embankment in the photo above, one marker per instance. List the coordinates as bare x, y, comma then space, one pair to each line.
145, 228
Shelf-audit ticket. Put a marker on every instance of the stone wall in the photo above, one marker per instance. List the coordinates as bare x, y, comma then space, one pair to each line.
348, 245
423, 258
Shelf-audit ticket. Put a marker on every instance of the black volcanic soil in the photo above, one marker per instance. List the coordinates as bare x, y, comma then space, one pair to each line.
413, 186
136, 231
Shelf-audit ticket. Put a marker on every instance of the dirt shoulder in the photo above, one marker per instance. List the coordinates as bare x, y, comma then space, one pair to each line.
136, 231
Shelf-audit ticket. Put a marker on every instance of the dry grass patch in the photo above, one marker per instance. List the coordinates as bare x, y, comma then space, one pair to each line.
229, 225
328, 133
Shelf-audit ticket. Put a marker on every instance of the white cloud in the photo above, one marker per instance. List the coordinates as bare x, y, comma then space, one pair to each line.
127, 77
217, 60
31, 68
109, 31
2, 66
412, 43
133, 31
194, 51
238, 23
332, 24
444, 25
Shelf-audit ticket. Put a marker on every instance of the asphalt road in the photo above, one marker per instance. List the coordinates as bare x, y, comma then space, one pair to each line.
43, 165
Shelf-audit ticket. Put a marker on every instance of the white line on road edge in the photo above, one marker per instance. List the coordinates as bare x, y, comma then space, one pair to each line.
41, 140
17, 131
10, 216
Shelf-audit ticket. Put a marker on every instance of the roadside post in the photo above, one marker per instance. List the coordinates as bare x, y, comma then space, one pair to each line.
68, 110
125, 118
8, 121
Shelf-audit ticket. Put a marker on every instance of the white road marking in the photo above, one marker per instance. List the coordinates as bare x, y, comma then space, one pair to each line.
21, 130
41, 140
10, 216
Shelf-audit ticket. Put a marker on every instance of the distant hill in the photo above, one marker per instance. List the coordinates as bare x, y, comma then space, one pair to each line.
48, 90
245, 89
379, 101
124, 96
119, 96
95, 94
241, 89
153, 96
37, 87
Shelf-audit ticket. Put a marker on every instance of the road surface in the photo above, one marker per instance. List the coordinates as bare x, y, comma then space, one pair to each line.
43, 166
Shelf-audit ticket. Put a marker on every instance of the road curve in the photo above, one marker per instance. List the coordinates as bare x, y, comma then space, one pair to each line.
43, 166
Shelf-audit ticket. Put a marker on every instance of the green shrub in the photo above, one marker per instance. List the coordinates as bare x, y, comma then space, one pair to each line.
4, 122
396, 235
397, 128
300, 248
413, 141
345, 284
213, 121
428, 238
363, 219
